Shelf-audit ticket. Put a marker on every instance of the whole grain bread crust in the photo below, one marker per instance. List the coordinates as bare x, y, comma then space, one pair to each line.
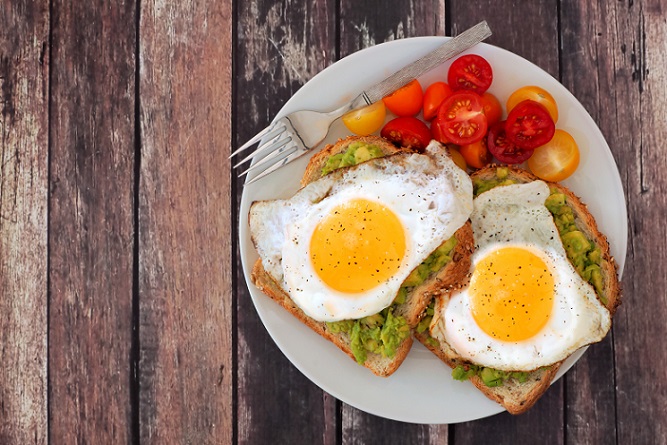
514, 396
413, 309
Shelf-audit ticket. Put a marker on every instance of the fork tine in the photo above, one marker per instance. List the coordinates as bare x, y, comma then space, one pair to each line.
253, 140
284, 160
266, 147
276, 150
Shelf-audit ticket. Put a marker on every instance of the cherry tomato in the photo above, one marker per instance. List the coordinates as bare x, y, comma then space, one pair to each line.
366, 120
539, 95
457, 157
476, 154
462, 119
406, 101
434, 96
470, 72
529, 125
557, 159
438, 131
408, 132
492, 108
503, 149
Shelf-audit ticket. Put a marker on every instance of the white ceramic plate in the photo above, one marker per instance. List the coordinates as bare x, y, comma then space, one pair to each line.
422, 390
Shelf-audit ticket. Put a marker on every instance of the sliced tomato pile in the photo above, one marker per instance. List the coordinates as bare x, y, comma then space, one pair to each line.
468, 118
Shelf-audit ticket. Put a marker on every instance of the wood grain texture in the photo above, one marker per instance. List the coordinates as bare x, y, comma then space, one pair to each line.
621, 46
24, 86
591, 46
530, 31
279, 47
185, 338
91, 221
364, 25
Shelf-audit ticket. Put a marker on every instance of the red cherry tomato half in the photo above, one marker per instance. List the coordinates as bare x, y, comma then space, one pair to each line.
406, 101
408, 132
503, 149
438, 131
529, 125
462, 118
434, 96
470, 72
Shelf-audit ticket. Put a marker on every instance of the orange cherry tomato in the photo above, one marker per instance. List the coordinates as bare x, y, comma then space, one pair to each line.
476, 154
366, 120
557, 159
536, 94
492, 108
434, 96
406, 101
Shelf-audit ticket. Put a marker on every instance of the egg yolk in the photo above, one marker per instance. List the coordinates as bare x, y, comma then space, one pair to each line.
359, 245
511, 293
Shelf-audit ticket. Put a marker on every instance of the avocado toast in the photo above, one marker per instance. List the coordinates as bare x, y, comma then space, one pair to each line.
587, 250
381, 341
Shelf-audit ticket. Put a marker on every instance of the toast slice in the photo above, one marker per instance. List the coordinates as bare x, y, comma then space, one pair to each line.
454, 264
518, 394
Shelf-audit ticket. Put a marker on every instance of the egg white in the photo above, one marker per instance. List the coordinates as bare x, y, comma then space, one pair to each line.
515, 215
429, 194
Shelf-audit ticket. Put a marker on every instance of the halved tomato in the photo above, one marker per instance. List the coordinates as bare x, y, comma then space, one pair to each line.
529, 125
476, 154
406, 101
461, 118
366, 120
504, 149
434, 96
470, 72
557, 159
408, 132
539, 95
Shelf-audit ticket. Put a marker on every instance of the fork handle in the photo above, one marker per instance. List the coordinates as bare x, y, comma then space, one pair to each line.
447, 50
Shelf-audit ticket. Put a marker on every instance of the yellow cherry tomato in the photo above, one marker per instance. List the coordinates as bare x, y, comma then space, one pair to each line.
537, 94
367, 120
457, 158
557, 159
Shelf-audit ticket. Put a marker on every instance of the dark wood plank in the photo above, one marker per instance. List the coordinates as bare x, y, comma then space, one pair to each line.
279, 47
185, 283
621, 48
24, 85
363, 25
530, 31
91, 221
589, 31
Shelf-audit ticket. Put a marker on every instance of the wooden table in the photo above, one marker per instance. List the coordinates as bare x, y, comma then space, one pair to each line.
124, 314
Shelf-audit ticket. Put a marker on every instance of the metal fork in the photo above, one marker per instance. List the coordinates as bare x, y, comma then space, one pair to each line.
293, 135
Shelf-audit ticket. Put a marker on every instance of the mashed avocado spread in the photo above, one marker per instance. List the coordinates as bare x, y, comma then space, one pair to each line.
581, 251
382, 333
356, 153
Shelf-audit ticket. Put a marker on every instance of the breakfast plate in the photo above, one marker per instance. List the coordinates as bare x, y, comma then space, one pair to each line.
422, 389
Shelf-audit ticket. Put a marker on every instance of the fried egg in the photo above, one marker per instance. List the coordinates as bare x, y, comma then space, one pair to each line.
342, 246
525, 306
